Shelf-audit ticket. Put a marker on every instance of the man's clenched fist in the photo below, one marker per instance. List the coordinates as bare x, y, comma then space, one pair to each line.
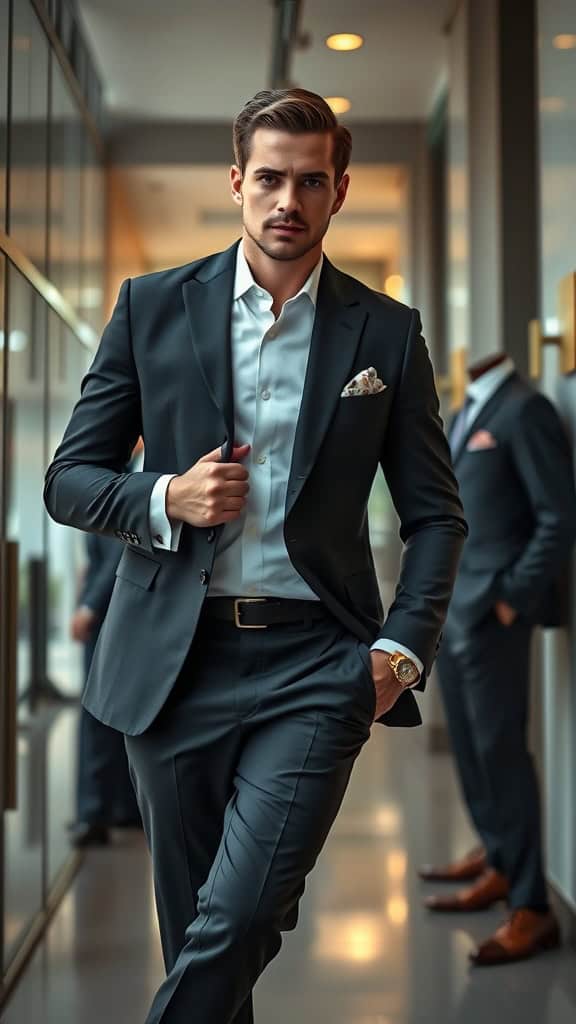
211, 492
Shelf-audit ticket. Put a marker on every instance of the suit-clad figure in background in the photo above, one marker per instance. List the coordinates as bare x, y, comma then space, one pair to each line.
105, 794
514, 467
245, 652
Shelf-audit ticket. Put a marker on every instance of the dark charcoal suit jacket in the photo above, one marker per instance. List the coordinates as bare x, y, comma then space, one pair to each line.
163, 370
520, 506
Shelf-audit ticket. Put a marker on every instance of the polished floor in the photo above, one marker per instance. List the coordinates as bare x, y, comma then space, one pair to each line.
365, 952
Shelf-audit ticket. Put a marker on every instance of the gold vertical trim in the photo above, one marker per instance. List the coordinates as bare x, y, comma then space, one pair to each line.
567, 318
565, 340
458, 361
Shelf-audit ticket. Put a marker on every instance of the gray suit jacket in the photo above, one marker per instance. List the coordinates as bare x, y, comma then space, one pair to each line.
163, 370
520, 505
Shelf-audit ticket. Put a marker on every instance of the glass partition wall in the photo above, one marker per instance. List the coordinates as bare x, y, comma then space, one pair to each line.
51, 294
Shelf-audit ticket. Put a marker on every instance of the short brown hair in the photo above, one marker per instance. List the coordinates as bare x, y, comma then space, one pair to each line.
295, 111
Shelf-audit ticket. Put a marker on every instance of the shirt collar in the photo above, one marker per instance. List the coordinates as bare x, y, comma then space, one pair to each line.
244, 281
482, 389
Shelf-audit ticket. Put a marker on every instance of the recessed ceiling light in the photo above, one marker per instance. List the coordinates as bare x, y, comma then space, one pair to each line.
565, 42
339, 104
345, 41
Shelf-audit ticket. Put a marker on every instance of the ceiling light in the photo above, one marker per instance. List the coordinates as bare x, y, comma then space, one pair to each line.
344, 41
338, 104
565, 42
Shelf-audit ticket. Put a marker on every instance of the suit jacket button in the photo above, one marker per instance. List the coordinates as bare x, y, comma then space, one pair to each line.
210, 535
204, 577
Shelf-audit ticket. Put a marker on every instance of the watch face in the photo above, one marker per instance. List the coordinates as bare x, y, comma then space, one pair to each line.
407, 672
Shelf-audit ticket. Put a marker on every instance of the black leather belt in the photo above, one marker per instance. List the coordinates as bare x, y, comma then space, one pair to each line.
262, 612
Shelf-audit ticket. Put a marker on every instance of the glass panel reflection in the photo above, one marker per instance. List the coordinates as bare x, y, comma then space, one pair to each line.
4, 42
65, 189
93, 205
24, 348
67, 363
29, 135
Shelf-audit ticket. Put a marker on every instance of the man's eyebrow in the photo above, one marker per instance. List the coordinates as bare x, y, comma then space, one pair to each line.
282, 174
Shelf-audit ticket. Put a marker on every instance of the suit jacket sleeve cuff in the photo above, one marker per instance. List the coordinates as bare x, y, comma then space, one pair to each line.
164, 533
391, 647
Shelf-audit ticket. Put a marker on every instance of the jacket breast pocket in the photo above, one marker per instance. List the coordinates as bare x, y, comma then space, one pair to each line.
137, 569
366, 414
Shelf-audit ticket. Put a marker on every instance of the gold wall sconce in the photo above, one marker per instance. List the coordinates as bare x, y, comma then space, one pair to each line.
454, 383
565, 340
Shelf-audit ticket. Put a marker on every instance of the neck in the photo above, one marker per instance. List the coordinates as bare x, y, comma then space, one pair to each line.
282, 278
483, 365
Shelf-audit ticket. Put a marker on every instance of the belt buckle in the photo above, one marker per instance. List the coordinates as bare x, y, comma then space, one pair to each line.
246, 600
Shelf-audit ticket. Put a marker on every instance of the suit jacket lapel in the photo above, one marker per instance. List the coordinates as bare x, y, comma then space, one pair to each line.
336, 334
480, 421
208, 302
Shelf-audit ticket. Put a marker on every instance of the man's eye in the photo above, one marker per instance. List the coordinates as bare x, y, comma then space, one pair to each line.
313, 182
267, 179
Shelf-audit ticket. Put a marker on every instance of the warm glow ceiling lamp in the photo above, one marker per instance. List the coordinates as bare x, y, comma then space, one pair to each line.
344, 41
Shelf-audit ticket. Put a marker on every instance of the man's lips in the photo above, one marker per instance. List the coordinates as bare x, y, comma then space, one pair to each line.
286, 228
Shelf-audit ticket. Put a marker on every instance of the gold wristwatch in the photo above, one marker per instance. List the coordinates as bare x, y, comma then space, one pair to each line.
404, 669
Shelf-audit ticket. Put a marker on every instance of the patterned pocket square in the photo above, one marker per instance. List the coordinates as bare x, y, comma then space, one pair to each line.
480, 441
367, 382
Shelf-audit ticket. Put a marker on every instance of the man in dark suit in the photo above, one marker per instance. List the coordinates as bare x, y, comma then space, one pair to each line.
244, 652
104, 793
514, 467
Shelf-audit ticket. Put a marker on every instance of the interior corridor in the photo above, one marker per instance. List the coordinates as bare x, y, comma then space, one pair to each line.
365, 951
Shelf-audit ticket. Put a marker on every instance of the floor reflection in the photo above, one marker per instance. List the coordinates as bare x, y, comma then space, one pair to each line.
365, 951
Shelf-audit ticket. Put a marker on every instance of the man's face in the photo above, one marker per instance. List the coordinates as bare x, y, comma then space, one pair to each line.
288, 193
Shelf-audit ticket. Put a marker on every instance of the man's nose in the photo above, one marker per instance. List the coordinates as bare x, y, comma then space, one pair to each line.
288, 200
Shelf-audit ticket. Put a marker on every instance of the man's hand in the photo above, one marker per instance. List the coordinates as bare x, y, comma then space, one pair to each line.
387, 687
505, 613
82, 624
211, 492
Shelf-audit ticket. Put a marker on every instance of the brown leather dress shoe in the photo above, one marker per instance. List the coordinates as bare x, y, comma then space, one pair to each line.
486, 890
526, 933
464, 870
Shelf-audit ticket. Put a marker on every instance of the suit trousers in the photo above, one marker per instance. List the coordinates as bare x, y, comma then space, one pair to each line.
239, 780
484, 674
104, 790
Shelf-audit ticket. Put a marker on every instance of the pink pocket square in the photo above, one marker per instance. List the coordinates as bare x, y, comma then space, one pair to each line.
480, 441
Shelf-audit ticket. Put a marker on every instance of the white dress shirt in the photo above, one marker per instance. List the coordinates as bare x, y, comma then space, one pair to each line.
269, 360
480, 391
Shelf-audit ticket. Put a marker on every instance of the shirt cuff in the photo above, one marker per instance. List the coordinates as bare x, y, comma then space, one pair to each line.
165, 534
390, 647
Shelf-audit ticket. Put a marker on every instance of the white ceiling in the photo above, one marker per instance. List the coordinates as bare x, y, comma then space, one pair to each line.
202, 59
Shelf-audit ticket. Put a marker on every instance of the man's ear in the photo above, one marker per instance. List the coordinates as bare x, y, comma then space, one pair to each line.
341, 191
236, 184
